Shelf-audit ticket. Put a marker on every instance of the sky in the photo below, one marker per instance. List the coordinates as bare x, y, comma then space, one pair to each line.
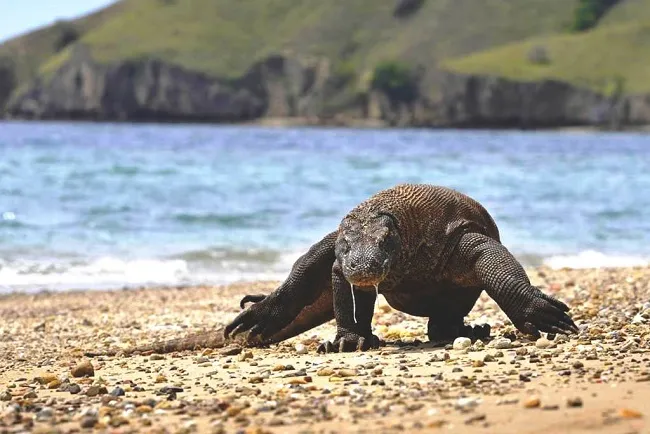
20, 16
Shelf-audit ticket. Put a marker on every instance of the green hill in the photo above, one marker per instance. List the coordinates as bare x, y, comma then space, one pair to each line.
247, 59
615, 53
224, 37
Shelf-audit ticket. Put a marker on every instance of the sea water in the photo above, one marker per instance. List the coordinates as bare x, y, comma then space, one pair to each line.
87, 205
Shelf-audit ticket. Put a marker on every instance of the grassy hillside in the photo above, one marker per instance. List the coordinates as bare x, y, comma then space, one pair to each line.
223, 37
28, 52
628, 11
615, 50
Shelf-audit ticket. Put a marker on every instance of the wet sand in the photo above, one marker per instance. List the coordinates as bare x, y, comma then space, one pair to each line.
598, 381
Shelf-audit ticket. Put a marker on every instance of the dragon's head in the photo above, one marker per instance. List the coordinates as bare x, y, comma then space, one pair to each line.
366, 248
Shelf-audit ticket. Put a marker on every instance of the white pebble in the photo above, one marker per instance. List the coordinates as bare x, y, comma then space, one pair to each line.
462, 343
543, 343
502, 344
561, 338
628, 345
467, 403
301, 349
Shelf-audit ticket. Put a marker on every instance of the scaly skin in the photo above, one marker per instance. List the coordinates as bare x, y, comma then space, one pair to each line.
429, 250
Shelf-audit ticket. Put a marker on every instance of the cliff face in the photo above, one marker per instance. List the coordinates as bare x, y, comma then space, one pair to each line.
497, 102
484, 101
143, 90
285, 87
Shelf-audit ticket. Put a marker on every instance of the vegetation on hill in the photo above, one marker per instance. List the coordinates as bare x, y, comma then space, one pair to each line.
589, 12
224, 37
592, 59
29, 52
396, 46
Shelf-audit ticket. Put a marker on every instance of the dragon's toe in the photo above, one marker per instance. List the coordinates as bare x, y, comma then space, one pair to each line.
349, 342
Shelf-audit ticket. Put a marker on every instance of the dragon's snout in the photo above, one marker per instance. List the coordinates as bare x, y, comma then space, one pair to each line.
366, 268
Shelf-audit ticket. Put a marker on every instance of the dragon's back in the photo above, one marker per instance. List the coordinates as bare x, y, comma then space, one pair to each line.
428, 211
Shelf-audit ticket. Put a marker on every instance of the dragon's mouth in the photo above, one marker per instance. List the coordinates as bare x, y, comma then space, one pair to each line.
366, 281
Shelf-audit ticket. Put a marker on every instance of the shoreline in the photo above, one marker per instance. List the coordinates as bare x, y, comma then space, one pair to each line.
594, 382
347, 123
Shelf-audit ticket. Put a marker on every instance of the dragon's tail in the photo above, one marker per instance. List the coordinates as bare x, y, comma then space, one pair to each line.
192, 342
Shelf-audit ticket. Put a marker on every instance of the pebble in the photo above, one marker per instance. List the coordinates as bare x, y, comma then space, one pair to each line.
532, 402
488, 358
467, 403
55, 384
628, 345
142, 409
346, 373
301, 349
46, 378
118, 391
502, 344
628, 413
156, 357
325, 372
462, 343
244, 356
96, 390
46, 413
479, 345
230, 351
5, 396
88, 421
83, 369
543, 343
74, 388
574, 402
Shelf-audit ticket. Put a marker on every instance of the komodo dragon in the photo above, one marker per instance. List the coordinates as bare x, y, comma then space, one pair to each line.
429, 250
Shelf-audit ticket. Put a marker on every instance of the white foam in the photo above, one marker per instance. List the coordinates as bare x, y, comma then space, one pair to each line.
100, 272
111, 272
595, 259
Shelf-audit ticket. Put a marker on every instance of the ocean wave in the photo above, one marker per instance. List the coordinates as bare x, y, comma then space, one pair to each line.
211, 266
595, 259
191, 268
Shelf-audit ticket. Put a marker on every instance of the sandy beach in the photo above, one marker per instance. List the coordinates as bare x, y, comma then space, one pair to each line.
598, 381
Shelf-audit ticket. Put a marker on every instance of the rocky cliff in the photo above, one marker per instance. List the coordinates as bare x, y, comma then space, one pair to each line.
281, 86
480, 101
149, 89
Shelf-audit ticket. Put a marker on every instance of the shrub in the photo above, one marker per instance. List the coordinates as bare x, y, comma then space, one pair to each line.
67, 34
404, 8
396, 80
589, 12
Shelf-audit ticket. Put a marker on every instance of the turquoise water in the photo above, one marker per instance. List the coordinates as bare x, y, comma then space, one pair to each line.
96, 205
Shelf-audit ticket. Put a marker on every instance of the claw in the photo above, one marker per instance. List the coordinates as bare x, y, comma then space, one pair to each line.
256, 330
529, 328
325, 347
251, 298
361, 344
240, 328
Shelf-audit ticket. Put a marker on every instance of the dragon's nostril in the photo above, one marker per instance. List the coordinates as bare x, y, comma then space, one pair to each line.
352, 264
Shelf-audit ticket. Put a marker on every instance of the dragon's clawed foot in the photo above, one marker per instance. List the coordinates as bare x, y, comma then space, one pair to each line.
540, 312
262, 319
347, 342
